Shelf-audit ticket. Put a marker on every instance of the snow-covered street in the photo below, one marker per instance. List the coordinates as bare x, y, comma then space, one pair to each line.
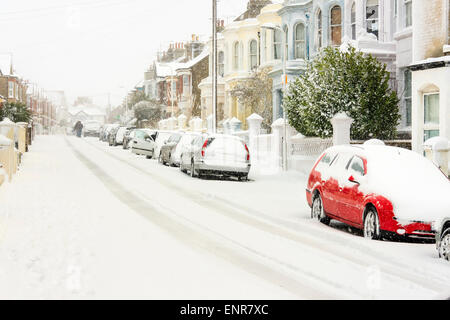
84, 220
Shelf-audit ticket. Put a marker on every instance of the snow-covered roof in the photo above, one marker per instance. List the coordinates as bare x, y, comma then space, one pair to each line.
193, 62
90, 111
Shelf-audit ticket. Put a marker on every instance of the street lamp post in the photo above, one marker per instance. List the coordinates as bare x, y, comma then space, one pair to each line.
274, 27
214, 66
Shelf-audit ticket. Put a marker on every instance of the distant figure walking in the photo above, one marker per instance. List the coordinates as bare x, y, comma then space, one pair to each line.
78, 128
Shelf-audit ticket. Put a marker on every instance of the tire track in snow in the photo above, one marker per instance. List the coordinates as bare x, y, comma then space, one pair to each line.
279, 227
189, 235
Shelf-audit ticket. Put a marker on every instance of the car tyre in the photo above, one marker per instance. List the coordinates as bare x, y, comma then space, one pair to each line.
317, 211
372, 225
193, 174
444, 246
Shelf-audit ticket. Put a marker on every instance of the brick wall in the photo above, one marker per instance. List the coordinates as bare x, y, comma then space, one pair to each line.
430, 31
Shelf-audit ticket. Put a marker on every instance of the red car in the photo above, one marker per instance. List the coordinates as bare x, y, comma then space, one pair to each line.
385, 191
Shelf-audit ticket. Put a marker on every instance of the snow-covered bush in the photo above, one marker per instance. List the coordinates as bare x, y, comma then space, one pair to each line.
343, 81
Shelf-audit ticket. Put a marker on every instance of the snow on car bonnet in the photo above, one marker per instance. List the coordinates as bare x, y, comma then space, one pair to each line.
415, 186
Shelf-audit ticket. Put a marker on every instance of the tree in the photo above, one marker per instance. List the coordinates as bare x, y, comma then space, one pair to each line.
148, 110
255, 93
16, 112
343, 81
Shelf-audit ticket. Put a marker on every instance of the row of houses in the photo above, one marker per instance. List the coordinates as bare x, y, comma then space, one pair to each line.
410, 36
15, 89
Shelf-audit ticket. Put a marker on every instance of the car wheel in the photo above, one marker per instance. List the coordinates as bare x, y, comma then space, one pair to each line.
243, 178
193, 175
444, 246
317, 211
182, 169
372, 225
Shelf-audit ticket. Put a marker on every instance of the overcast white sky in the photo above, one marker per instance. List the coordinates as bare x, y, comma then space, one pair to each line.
92, 47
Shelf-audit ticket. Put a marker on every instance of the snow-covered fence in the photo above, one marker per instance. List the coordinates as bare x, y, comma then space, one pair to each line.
437, 149
7, 156
303, 152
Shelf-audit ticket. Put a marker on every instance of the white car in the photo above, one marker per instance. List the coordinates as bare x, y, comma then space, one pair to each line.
217, 155
120, 135
92, 128
161, 138
143, 143
184, 143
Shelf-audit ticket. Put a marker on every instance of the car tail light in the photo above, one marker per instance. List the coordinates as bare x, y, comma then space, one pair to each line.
204, 148
248, 152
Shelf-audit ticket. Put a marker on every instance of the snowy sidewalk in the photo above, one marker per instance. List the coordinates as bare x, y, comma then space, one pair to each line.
63, 235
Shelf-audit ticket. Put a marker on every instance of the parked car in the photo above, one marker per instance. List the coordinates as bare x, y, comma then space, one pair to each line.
105, 132
165, 155
218, 154
129, 135
112, 136
387, 192
143, 143
442, 228
185, 142
116, 136
91, 128
161, 138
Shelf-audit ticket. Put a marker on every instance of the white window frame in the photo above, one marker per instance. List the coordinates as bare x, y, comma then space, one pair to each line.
335, 26
299, 42
277, 45
353, 20
11, 89
408, 18
252, 55
431, 126
236, 56
377, 19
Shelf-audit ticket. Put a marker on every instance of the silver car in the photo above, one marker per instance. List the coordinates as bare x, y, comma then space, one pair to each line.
183, 144
160, 139
143, 143
218, 154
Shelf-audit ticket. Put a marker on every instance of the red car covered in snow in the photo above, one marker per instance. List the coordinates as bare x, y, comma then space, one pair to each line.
385, 191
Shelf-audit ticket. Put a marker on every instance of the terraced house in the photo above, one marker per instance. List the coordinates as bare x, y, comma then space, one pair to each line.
382, 28
12, 87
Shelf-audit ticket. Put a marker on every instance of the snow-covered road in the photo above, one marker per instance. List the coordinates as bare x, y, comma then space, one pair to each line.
84, 220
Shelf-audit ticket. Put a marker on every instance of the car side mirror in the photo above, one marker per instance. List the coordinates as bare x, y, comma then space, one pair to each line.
353, 180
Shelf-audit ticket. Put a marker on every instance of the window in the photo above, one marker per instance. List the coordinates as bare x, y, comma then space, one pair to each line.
236, 56
300, 41
319, 30
357, 166
408, 13
277, 44
10, 89
372, 14
431, 115
253, 52
336, 26
221, 63
407, 96
353, 20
